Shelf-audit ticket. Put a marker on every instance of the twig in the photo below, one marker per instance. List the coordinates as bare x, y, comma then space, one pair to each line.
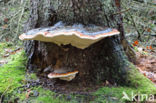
139, 34
149, 3
121, 11
134, 24
4, 93
22, 12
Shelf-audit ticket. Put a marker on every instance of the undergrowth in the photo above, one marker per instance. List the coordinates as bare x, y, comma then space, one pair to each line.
12, 80
45, 96
139, 85
12, 74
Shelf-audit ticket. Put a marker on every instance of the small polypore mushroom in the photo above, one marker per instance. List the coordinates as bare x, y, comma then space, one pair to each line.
63, 76
77, 35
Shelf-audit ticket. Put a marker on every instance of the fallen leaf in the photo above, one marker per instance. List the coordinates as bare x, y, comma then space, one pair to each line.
28, 93
6, 19
5, 26
136, 43
150, 47
146, 47
148, 30
6, 39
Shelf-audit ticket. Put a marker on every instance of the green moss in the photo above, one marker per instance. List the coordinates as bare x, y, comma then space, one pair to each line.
12, 74
139, 81
110, 94
33, 76
45, 96
139, 84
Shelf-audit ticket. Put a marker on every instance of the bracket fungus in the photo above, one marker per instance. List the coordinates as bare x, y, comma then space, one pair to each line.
63, 76
77, 35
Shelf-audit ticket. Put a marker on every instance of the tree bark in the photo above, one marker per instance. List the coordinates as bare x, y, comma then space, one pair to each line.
104, 60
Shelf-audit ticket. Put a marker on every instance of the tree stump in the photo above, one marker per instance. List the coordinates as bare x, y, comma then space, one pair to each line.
103, 61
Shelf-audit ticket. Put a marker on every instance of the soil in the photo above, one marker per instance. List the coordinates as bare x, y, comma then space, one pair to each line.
145, 63
73, 87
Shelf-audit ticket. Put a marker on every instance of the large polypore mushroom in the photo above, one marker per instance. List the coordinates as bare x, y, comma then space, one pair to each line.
77, 35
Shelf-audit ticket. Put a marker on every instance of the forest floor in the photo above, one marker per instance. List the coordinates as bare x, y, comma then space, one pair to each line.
147, 65
16, 85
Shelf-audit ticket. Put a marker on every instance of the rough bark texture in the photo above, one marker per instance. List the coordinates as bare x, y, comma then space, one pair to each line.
102, 61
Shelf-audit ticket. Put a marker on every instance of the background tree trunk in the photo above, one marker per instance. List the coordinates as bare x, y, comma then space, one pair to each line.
105, 60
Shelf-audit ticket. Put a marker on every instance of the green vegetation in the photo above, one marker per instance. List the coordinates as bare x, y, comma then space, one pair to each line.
12, 74
3, 46
139, 19
45, 96
139, 22
139, 84
12, 78
14, 13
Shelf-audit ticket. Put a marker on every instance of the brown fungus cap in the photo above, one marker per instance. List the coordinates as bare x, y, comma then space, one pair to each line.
77, 35
63, 76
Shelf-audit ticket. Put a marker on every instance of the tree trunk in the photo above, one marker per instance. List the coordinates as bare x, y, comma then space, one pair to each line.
104, 60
